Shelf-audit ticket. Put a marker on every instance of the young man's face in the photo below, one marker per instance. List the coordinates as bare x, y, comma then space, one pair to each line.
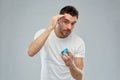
66, 24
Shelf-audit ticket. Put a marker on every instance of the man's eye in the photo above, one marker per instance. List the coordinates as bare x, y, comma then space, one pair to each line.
73, 23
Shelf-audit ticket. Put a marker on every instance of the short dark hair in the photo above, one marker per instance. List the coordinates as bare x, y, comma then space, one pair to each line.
70, 10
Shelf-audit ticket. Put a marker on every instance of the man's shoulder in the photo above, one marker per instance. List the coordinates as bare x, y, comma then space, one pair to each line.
77, 38
38, 33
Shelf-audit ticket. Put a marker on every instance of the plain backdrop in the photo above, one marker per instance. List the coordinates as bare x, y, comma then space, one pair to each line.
98, 25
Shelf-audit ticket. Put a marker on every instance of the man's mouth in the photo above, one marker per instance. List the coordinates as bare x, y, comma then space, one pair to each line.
67, 32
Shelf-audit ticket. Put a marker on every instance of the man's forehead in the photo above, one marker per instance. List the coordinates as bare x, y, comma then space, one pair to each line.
70, 18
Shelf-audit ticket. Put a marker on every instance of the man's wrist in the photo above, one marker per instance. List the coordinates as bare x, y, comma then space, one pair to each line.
50, 28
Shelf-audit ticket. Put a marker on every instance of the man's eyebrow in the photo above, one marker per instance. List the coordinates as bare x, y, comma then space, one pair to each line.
66, 19
70, 21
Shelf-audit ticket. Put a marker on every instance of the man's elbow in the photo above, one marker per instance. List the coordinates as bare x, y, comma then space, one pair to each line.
30, 53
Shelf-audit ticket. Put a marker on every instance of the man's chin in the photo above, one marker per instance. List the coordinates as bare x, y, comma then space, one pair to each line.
66, 35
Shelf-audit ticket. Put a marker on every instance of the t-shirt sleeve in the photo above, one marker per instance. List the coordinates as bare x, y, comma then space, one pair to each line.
38, 33
80, 51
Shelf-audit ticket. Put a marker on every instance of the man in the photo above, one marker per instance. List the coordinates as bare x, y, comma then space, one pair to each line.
55, 38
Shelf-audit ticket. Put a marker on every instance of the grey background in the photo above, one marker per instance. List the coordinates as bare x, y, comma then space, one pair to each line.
98, 25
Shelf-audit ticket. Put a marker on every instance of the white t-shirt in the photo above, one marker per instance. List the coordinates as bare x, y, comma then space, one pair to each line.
53, 67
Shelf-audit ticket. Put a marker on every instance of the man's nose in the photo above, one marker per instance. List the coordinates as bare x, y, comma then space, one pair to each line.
69, 26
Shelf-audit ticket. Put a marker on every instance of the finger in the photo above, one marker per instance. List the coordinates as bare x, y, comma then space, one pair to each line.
70, 54
64, 57
60, 16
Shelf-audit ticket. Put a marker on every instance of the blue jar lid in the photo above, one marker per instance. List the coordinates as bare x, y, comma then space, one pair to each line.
65, 51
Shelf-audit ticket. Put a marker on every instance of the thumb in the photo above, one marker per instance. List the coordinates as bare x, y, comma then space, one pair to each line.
70, 54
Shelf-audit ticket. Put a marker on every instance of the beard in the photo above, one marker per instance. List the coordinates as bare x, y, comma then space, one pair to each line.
65, 33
